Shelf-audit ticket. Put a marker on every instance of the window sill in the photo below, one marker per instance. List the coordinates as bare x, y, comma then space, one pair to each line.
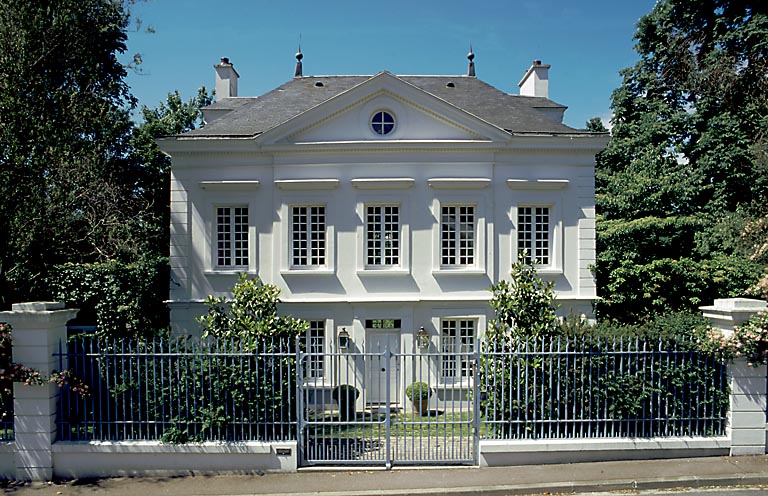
392, 272
316, 383
230, 272
307, 272
548, 271
454, 385
471, 271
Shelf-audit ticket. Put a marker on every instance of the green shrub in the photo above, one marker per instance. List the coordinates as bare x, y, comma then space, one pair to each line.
418, 391
123, 300
345, 392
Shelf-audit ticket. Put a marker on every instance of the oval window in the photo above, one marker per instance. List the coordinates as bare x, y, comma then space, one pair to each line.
382, 122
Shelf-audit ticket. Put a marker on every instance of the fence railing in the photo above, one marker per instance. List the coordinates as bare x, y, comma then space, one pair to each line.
6, 412
178, 390
592, 388
184, 390
6, 384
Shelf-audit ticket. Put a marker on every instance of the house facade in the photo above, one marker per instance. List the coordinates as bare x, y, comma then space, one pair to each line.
381, 205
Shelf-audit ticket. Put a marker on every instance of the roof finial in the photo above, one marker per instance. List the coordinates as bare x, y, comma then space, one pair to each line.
471, 57
298, 72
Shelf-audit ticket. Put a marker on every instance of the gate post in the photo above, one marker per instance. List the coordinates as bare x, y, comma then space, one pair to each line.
299, 403
747, 417
38, 328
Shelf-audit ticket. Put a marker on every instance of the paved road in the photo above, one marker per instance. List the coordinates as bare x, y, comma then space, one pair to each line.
716, 491
625, 476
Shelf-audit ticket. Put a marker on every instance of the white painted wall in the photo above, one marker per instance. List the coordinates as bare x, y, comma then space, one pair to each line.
495, 181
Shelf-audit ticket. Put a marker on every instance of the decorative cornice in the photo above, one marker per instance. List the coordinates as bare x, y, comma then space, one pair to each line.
383, 183
307, 184
537, 184
229, 185
459, 182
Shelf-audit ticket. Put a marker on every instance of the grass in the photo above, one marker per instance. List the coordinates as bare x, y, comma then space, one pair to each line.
372, 425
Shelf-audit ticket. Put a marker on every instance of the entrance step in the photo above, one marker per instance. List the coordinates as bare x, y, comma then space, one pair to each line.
382, 407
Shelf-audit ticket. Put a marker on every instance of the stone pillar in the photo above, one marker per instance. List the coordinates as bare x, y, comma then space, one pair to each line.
728, 313
38, 328
747, 418
746, 421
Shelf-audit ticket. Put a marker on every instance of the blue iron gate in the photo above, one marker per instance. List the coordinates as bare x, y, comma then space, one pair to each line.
382, 406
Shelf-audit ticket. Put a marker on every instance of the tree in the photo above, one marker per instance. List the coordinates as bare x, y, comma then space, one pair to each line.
174, 116
684, 170
66, 179
524, 307
595, 125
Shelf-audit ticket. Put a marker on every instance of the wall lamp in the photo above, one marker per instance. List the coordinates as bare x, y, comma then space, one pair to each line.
422, 339
343, 338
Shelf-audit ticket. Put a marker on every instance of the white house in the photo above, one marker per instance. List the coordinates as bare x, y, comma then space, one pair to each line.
382, 204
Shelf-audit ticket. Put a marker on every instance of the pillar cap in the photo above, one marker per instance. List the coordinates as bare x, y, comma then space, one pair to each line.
738, 305
38, 306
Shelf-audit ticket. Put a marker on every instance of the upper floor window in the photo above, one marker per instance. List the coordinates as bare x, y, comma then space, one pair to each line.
382, 122
308, 244
458, 344
315, 347
382, 235
457, 235
232, 236
533, 236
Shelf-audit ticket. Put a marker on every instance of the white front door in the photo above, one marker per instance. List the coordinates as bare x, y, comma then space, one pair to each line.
377, 342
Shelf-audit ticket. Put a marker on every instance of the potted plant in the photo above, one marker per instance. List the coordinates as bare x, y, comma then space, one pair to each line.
346, 396
419, 394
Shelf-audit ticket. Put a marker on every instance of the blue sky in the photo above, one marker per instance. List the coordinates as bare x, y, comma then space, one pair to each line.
587, 43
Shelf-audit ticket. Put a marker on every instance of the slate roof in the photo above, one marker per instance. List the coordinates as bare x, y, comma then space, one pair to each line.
253, 116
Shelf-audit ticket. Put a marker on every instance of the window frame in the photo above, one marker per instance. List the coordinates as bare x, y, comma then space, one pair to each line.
235, 236
479, 267
455, 251
327, 247
365, 200
316, 361
373, 123
555, 263
536, 254
461, 368
378, 252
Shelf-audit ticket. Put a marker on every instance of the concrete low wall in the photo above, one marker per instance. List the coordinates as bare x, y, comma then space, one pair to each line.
137, 458
7, 460
502, 453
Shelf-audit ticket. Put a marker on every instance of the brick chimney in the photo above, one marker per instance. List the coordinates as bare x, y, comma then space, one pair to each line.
536, 80
226, 79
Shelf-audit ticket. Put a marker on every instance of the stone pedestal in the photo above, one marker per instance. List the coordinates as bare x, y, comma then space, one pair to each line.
38, 329
747, 418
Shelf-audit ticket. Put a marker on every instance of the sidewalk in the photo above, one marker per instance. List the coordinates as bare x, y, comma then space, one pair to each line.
577, 477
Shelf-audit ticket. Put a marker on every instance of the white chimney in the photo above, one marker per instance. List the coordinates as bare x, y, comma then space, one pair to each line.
226, 79
536, 80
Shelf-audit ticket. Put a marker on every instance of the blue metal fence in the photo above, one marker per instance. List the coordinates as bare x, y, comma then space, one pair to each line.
593, 388
179, 390
185, 390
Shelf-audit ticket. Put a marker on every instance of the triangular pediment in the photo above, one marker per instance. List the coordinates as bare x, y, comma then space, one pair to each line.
418, 116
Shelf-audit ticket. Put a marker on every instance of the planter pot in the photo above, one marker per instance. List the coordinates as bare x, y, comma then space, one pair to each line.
347, 409
421, 407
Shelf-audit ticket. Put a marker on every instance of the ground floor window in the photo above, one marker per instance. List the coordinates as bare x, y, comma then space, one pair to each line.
457, 338
315, 346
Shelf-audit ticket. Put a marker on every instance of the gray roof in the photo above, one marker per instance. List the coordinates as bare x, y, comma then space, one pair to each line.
513, 113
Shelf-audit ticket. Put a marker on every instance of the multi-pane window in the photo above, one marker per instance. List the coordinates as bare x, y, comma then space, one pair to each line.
232, 236
382, 235
533, 234
308, 235
457, 235
458, 343
315, 344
